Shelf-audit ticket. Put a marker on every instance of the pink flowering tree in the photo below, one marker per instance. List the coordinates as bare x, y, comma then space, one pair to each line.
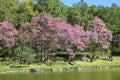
7, 36
44, 37
53, 33
71, 38
64, 37
78, 37
98, 35
69, 35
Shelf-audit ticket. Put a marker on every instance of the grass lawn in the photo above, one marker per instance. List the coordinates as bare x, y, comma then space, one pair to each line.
62, 64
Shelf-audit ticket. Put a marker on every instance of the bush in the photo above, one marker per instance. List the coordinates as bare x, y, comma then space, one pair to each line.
24, 54
1, 59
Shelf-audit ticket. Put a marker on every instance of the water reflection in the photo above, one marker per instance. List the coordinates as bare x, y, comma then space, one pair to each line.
109, 74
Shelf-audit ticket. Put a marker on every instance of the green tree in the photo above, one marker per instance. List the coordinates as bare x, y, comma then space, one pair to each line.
79, 14
8, 10
110, 15
54, 7
25, 12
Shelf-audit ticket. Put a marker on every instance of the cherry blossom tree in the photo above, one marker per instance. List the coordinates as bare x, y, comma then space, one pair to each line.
78, 37
71, 38
53, 33
98, 35
44, 34
7, 35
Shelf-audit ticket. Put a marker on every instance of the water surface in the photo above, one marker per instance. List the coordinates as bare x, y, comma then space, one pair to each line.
107, 74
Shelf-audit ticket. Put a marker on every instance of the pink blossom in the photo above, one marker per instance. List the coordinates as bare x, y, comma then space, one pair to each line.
7, 33
99, 33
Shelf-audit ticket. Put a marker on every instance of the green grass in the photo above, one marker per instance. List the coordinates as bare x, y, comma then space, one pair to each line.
62, 64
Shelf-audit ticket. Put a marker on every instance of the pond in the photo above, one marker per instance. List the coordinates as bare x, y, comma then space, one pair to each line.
106, 74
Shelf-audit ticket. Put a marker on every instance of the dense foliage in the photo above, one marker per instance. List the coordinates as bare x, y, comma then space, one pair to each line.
8, 36
29, 30
53, 33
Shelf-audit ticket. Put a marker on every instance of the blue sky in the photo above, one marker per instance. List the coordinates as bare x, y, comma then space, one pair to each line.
106, 3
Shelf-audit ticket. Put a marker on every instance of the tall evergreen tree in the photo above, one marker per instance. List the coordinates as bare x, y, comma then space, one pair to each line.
54, 7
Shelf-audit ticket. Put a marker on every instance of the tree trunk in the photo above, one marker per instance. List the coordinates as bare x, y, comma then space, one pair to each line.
93, 54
